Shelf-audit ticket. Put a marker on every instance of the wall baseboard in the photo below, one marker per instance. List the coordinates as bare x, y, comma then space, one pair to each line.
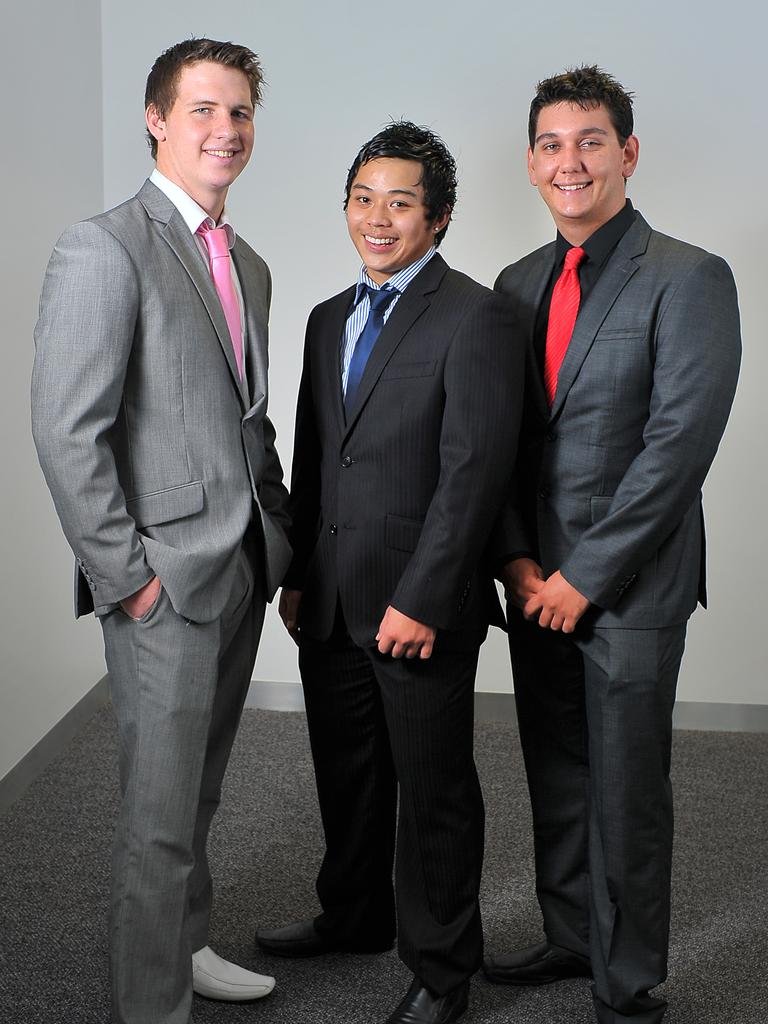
268, 696
273, 696
55, 741
500, 707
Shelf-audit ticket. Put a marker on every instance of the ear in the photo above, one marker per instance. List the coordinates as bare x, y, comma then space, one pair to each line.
531, 172
155, 123
439, 222
631, 153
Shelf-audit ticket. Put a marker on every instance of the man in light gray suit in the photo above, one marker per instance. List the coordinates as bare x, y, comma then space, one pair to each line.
633, 359
149, 400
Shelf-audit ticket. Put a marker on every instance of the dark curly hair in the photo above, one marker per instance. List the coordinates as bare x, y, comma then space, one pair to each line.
404, 140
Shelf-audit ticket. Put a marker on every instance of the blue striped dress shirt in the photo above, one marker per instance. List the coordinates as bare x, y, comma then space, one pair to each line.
361, 307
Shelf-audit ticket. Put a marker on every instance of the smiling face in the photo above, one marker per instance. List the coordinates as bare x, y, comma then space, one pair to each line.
205, 139
387, 218
579, 166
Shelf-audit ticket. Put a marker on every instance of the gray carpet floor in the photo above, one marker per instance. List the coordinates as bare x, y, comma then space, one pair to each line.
54, 863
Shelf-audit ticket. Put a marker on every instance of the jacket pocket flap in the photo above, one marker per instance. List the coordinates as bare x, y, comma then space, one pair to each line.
166, 505
401, 371
403, 534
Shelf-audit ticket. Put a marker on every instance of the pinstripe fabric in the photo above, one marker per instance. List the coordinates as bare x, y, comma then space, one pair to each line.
392, 505
362, 306
562, 316
380, 727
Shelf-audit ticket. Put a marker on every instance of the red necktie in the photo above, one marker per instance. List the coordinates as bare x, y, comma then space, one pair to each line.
562, 316
217, 244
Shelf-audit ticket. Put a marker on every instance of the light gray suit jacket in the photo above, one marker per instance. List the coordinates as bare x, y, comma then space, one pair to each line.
156, 457
608, 483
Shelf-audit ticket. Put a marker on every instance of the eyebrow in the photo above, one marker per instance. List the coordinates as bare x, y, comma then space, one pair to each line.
216, 103
391, 191
582, 132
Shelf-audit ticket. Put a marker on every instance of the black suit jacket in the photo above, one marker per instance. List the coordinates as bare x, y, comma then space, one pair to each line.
393, 503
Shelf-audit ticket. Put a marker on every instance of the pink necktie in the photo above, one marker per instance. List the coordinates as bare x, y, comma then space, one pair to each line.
563, 310
221, 271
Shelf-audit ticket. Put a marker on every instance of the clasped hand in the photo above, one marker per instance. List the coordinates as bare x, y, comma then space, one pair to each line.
554, 602
398, 634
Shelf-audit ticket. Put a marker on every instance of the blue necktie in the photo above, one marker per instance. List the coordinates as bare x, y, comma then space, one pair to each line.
380, 299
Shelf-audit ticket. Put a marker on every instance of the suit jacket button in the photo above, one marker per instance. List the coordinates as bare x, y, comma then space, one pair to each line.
333, 529
543, 492
346, 462
551, 435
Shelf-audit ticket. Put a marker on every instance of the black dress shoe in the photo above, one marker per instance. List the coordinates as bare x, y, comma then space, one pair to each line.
420, 1006
302, 939
536, 965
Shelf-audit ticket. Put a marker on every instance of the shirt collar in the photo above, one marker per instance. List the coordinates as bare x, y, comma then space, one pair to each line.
602, 242
193, 214
398, 282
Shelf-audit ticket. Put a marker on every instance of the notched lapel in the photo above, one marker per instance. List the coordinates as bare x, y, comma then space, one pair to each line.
177, 235
407, 311
185, 247
329, 352
538, 276
256, 327
410, 306
620, 268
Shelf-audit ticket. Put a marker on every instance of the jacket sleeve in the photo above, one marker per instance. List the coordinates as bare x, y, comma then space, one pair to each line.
483, 385
304, 504
83, 342
697, 355
509, 536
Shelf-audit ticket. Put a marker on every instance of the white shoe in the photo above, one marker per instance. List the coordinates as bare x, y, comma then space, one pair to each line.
215, 978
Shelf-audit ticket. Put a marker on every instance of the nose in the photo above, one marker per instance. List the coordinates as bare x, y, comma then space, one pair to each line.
226, 127
570, 159
378, 213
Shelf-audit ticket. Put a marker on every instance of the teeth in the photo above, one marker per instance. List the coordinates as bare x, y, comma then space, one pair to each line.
222, 152
572, 188
379, 241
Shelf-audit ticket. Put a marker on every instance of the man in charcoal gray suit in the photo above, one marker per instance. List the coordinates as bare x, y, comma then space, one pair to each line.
400, 465
149, 400
633, 359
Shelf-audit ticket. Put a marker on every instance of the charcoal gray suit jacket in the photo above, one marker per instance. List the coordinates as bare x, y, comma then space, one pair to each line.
608, 482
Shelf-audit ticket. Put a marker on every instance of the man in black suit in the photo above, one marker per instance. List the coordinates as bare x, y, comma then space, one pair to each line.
400, 466
604, 541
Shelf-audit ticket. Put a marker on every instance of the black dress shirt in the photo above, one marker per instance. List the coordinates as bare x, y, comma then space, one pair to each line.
597, 248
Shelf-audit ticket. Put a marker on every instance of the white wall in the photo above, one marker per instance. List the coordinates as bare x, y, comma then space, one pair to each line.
51, 175
337, 72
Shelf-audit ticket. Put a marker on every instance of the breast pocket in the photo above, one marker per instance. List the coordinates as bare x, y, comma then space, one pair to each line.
405, 371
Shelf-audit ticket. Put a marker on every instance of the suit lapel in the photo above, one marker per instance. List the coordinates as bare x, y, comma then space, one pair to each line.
181, 241
620, 268
539, 275
329, 352
256, 331
409, 308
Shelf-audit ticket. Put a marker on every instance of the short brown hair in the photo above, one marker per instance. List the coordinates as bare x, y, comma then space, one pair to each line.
160, 92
